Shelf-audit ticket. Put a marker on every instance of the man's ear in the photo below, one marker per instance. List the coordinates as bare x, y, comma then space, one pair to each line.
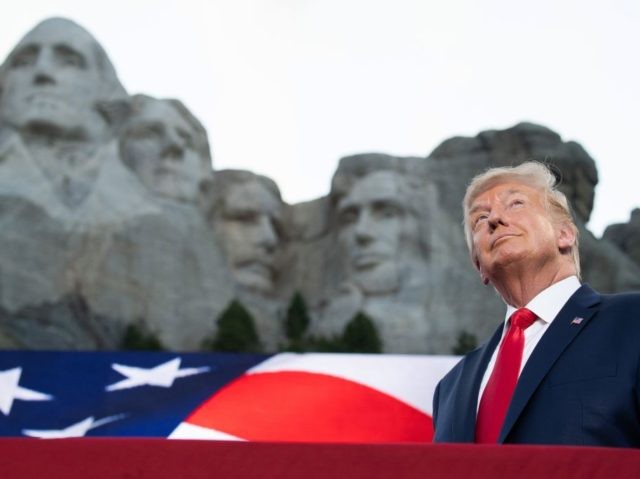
483, 276
566, 237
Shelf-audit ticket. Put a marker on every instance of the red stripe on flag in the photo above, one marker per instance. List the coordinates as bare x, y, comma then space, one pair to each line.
300, 406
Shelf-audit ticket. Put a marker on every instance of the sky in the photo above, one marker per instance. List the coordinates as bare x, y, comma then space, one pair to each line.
285, 88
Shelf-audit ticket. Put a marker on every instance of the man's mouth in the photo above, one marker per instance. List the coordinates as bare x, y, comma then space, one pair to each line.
258, 268
367, 260
164, 170
500, 238
44, 97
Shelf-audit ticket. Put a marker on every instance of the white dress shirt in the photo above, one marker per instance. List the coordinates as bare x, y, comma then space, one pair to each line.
546, 306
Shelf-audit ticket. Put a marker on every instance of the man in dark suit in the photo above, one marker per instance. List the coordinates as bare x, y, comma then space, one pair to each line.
564, 366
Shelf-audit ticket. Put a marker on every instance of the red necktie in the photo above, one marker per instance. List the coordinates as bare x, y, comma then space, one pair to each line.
502, 382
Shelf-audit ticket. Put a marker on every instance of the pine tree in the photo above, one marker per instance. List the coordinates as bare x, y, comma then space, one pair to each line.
297, 320
360, 335
137, 338
296, 324
236, 331
466, 342
333, 344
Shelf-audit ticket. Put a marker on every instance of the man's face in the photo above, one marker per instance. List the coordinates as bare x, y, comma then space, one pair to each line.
52, 81
248, 226
511, 225
158, 145
377, 231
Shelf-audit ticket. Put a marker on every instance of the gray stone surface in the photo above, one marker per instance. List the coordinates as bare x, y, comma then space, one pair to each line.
163, 270
111, 216
626, 236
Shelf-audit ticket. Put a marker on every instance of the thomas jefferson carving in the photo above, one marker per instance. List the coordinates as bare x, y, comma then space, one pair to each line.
167, 148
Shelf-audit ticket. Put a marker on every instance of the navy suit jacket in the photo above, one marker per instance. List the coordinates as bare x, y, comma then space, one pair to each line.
581, 385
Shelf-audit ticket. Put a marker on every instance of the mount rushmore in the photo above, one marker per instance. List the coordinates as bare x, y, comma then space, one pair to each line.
113, 216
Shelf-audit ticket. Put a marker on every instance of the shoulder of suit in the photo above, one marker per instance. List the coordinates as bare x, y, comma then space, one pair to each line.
622, 298
624, 305
464, 360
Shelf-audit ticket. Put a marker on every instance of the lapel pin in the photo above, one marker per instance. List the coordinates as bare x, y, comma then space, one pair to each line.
577, 320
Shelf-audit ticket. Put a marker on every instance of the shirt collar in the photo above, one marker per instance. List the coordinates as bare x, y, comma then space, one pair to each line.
548, 303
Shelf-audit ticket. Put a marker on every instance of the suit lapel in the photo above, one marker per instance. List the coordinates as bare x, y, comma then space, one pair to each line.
561, 332
467, 398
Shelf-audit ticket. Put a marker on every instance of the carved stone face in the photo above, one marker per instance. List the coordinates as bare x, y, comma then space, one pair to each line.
248, 227
52, 82
378, 233
158, 145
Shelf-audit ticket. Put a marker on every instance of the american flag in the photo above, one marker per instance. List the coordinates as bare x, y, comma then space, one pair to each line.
282, 397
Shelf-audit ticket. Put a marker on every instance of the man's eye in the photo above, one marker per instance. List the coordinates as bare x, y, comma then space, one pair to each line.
187, 138
386, 210
25, 57
243, 216
348, 216
146, 132
479, 220
69, 58
516, 202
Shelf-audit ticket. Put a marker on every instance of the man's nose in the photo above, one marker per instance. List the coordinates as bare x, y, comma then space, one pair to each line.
173, 151
44, 68
365, 228
267, 237
173, 146
496, 217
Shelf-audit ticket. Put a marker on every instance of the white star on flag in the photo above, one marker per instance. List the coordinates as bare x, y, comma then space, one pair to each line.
78, 429
163, 375
10, 390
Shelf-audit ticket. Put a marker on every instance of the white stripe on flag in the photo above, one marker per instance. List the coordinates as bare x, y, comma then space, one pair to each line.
191, 431
410, 378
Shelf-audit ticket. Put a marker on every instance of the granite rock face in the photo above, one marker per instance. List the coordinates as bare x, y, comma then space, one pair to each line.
98, 199
626, 236
111, 217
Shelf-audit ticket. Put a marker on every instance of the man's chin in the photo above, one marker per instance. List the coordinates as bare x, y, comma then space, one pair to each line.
169, 185
256, 278
503, 260
379, 280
